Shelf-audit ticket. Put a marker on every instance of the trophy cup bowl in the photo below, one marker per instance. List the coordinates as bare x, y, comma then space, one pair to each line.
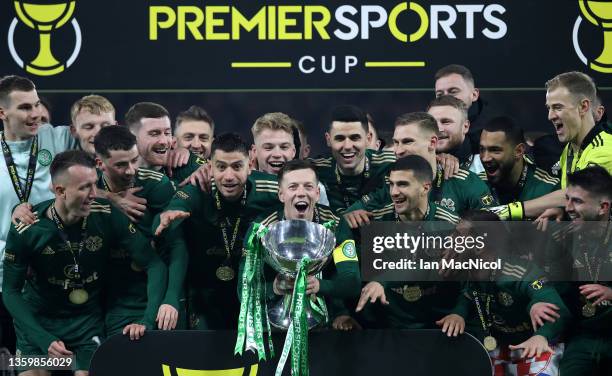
286, 243
44, 18
599, 13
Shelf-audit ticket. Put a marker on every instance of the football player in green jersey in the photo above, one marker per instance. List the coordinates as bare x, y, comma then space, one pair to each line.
411, 304
59, 312
299, 194
416, 134
118, 159
510, 174
352, 170
194, 130
218, 222
503, 307
588, 202
150, 123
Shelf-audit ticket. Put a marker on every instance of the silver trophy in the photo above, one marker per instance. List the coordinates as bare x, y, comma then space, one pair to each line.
286, 243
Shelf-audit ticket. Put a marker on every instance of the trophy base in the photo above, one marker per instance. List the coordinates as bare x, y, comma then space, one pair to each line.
44, 71
280, 317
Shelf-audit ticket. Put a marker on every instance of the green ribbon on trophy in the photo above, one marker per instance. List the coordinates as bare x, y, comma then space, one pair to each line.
253, 304
297, 334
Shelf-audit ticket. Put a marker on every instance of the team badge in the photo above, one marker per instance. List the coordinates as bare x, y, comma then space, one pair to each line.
131, 228
537, 284
45, 157
93, 243
505, 299
348, 249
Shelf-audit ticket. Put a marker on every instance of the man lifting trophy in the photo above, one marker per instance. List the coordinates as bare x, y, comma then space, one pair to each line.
297, 241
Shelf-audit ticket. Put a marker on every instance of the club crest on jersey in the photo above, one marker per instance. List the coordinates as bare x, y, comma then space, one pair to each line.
93, 243
45, 157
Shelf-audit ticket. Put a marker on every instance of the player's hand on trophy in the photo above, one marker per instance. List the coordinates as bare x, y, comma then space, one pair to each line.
135, 331
130, 204
282, 285
595, 291
202, 177
452, 325
167, 317
167, 217
534, 346
358, 218
449, 163
345, 322
58, 349
541, 312
553, 214
312, 285
176, 158
23, 213
373, 291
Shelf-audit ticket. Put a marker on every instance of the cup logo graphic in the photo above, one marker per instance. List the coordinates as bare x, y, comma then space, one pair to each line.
598, 13
44, 18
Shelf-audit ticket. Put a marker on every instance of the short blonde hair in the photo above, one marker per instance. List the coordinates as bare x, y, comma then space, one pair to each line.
579, 85
276, 121
94, 104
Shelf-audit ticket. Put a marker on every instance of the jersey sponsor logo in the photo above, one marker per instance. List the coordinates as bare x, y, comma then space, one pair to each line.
349, 250
448, 203
93, 243
487, 200
45, 157
8, 256
69, 271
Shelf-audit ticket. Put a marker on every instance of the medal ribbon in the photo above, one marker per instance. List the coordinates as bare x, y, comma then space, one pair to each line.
296, 341
365, 175
252, 303
22, 194
64, 236
486, 325
229, 247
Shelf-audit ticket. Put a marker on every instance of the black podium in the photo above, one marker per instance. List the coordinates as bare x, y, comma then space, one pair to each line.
369, 352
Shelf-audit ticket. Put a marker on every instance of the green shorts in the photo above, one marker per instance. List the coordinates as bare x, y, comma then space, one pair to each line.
81, 334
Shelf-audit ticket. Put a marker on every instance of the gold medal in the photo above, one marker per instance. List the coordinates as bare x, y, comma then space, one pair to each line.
412, 293
78, 296
589, 310
225, 273
490, 343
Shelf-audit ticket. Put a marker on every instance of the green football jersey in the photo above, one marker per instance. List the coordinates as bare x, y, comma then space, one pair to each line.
417, 304
212, 298
534, 182
41, 248
343, 191
127, 294
464, 191
515, 289
183, 172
